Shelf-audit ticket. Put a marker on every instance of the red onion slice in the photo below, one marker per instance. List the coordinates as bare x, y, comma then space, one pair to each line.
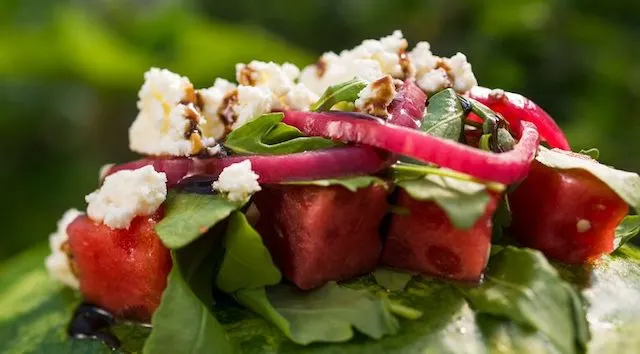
407, 108
310, 165
516, 108
505, 167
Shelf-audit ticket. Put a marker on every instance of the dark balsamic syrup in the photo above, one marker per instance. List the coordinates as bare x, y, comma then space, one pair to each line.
92, 322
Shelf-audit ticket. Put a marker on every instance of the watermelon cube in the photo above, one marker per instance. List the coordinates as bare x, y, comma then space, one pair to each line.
425, 241
318, 234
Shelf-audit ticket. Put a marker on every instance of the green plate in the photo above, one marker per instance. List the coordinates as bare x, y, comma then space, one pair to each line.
34, 312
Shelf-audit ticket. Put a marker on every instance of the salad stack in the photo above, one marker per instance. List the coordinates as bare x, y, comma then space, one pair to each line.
376, 201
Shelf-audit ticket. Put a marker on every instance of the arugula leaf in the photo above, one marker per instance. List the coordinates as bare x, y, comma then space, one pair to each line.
350, 183
464, 202
344, 92
628, 229
522, 286
188, 215
625, 184
445, 116
391, 279
183, 323
247, 263
268, 135
326, 314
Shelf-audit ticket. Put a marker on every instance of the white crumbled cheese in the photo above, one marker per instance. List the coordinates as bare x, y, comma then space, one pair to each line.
422, 58
376, 97
238, 181
102, 173
368, 61
434, 80
57, 262
212, 98
127, 194
497, 94
166, 113
461, 73
269, 76
300, 98
583, 225
251, 103
153, 135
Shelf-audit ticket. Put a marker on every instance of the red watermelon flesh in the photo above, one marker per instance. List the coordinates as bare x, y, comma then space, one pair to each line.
318, 234
123, 271
569, 215
425, 241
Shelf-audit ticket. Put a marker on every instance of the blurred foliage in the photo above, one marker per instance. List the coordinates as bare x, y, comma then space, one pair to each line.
70, 70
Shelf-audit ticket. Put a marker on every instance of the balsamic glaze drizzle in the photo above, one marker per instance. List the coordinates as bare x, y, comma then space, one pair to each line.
92, 322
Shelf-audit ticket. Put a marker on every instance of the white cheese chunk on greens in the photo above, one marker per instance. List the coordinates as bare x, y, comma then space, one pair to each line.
57, 263
127, 194
238, 181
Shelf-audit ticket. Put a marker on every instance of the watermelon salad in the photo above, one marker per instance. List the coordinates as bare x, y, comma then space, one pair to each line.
276, 197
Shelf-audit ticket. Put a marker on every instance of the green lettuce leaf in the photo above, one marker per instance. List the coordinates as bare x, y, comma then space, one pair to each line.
327, 314
344, 92
522, 286
445, 116
190, 215
247, 263
350, 183
464, 202
391, 279
625, 184
628, 229
268, 135
183, 323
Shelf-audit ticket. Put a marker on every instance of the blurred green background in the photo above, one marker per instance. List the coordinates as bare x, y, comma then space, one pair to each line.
70, 71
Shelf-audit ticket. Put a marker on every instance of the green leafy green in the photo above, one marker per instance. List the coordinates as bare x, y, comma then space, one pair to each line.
445, 116
183, 323
189, 215
464, 202
350, 183
326, 314
625, 184
522, 286
247, 263
344, 92
594, 153
501, 219
268, 135
391, 279
628, 229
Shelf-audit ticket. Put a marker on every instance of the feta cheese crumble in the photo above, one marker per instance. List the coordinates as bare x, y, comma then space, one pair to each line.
376, 97
270, 76
212, 99
238, 181
58, 262
368, 61
168, 122
434, 73
127, 194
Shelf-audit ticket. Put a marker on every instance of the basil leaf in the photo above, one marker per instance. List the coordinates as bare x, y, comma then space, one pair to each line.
390, 279
350, 183
188, 215
628, 229
183, 323
344, 92
464, 202
522, 286
247, 263
327, 314
267, 135
625, 184
445, 116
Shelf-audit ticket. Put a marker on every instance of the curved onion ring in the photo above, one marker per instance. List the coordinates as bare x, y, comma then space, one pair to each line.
516, 108
505, 167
